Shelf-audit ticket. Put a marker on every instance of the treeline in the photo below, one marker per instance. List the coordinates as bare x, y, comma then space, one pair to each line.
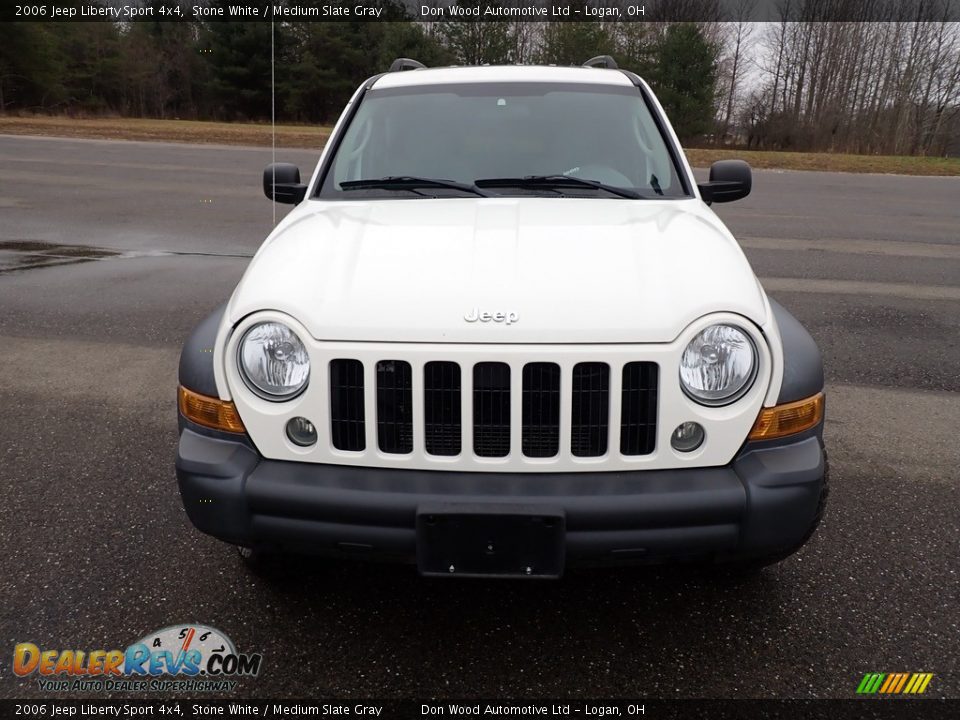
801, 83
222, 70
862, 87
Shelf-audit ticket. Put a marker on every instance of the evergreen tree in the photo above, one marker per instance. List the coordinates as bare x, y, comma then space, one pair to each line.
573, 43
325, 64
165, 71
684, 79
239, 64
30, 67
478, 42
409, 39
637, 44
90, 64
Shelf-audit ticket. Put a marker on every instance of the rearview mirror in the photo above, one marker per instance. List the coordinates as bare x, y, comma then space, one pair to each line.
729, 180
281, 183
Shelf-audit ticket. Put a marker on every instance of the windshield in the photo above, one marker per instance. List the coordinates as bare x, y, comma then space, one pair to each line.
503, 131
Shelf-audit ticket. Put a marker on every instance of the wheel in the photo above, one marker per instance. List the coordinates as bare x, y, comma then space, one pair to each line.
755, 565
258, 561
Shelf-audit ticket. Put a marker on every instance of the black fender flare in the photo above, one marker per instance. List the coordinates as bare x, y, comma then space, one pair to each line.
196, 357
802, 363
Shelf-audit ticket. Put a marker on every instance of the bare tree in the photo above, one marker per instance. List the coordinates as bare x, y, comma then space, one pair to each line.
859, 85
738, 38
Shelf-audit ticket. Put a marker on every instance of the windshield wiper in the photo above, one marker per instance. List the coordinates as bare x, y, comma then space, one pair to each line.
406, 182
555, 181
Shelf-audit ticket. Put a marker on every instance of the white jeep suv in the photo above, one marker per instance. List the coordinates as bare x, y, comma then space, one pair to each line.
502, 333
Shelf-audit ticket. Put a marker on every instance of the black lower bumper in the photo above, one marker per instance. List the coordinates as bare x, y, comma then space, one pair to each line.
763, 503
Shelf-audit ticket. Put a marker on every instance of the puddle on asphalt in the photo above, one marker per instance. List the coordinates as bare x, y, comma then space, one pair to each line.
18, 255
36, 247
30, 254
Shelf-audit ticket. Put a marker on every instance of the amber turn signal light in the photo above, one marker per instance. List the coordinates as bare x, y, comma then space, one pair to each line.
788, 419
209, 412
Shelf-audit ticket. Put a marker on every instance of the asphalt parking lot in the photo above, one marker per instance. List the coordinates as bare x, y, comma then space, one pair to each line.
110, 252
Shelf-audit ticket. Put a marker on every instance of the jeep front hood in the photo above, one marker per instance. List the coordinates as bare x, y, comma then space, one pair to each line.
571, 270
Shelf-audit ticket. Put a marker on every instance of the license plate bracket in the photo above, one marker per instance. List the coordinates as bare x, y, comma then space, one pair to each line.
486, 540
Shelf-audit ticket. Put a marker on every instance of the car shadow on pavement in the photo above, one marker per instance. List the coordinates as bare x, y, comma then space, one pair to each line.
587, 632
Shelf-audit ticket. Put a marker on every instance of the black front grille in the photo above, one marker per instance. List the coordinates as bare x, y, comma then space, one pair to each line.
441, 408
590, 402
346, 405
541, 409
638, 422
491, 409
394, 406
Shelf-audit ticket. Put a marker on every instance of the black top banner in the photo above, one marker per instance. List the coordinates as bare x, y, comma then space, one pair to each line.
124, 11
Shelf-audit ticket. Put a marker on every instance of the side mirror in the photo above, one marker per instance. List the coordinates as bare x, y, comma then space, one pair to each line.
729, 180
281, 183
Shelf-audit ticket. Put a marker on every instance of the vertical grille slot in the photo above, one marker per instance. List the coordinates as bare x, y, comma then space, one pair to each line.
541, 409
638, 423
590, 404
441, 408
394, 406
491, 409
347, 429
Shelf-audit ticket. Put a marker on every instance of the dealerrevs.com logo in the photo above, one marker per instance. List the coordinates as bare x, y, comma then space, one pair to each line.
181, 658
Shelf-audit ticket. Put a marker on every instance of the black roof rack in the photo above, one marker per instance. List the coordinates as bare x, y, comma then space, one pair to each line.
401, 64
602, 61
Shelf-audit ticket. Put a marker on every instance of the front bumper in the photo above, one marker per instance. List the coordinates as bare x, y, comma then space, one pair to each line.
765, 502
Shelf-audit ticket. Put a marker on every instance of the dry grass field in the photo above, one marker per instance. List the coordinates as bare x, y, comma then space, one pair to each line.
190, 131
308, 136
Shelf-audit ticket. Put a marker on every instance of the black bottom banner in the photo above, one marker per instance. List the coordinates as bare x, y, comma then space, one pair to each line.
921, 709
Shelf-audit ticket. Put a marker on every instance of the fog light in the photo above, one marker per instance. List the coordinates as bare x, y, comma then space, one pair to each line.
301, 432
687, 437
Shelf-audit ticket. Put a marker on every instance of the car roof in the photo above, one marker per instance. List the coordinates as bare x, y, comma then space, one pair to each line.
502, 73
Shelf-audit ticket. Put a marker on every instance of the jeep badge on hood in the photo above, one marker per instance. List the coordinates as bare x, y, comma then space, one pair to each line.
476, 313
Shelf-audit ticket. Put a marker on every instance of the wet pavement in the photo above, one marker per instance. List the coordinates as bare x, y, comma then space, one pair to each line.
112, 252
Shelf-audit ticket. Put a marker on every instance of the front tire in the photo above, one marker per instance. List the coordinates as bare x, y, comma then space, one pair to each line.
258, 561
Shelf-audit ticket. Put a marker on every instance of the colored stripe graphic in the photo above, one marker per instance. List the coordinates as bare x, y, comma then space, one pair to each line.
903, 680
894, 683
918, 683
870, 683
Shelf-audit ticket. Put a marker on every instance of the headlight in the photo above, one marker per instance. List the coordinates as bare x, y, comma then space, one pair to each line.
273, 362
719, 365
